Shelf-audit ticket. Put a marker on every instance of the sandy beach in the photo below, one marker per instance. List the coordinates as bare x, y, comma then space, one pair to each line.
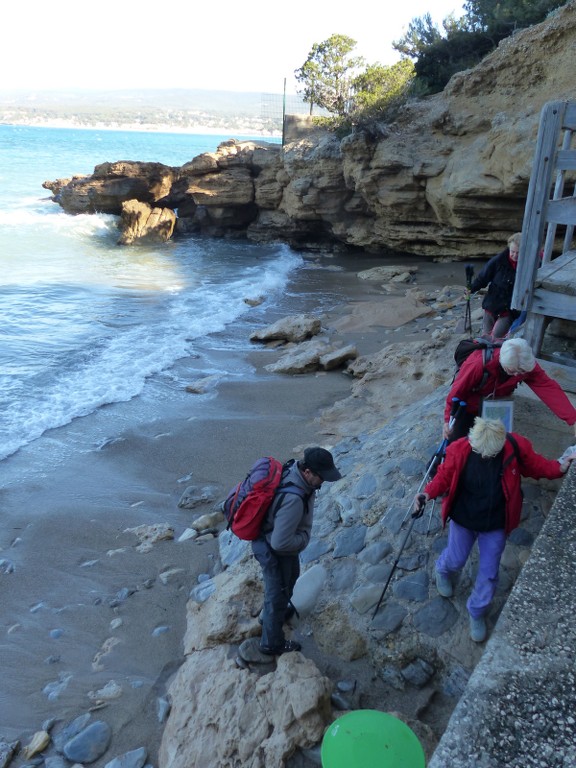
90, 622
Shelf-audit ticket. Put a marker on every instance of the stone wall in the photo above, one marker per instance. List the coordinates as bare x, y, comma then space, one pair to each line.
518, 708
298, 127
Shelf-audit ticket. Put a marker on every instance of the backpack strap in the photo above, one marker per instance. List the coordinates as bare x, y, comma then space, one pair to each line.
514, 443
487, 354
289, 488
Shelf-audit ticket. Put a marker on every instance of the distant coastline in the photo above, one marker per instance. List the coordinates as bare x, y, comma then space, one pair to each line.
239, 130
162, 111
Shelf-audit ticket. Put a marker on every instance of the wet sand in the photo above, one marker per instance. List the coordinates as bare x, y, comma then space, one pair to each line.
86, 620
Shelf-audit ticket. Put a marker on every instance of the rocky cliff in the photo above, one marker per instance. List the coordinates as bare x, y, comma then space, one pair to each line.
447, 179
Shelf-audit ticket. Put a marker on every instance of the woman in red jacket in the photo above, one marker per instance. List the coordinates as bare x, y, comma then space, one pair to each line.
481, 477
510, 364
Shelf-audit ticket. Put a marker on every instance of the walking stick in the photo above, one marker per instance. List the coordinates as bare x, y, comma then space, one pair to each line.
415, 515
430, 516
468, 315
457, 405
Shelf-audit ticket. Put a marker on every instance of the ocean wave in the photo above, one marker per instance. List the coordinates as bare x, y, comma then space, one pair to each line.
127, 336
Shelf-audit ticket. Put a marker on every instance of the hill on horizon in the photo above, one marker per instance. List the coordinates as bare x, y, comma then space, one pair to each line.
175, 107
215, 102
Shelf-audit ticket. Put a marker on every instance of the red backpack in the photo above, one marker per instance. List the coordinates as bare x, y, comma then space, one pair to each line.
248, 502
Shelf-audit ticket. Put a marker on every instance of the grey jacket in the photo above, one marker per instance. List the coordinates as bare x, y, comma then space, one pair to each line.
288, 525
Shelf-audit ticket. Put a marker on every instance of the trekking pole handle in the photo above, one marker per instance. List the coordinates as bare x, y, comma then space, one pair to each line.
420, 503
457, 406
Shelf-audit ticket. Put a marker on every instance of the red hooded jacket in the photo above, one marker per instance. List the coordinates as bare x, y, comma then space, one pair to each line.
499, 384
529, 464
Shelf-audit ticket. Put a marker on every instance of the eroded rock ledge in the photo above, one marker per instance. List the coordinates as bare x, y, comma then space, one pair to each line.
447, 179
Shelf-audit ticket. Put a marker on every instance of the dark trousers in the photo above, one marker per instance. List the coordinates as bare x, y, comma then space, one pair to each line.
280, 573
496, 326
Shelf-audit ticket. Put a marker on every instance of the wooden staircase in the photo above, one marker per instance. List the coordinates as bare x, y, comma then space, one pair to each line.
545, 284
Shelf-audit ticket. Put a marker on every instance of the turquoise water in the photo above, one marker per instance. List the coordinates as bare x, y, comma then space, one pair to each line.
86, 322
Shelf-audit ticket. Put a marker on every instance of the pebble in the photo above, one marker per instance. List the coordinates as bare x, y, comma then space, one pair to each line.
136, 758
69, 731
189, 533
339, 702
418, 673
171, 575
90, 744
55, 761
6, 566
54, 689
7, 750
112, 690
38, 743
163, 707
202, 592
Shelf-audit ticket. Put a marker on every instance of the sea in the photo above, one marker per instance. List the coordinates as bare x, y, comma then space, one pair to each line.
86, 322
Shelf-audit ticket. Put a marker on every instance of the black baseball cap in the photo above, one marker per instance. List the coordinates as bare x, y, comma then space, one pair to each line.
321, 462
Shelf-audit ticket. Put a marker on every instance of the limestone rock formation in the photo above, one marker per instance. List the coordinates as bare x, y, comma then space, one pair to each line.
286, 708
448, 178
139, 221
112, 184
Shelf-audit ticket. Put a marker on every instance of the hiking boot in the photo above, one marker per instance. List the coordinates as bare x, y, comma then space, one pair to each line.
249, 652
478, 629
287, 647
444, 584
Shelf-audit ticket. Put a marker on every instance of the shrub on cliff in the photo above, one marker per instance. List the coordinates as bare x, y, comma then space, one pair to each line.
462, 43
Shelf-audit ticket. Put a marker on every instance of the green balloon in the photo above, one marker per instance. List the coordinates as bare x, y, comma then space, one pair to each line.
367, 738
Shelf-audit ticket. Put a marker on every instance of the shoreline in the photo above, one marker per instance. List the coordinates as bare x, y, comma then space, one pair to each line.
148, 128
91, 622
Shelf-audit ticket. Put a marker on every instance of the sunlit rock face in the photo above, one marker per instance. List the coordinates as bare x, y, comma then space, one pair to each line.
448, 178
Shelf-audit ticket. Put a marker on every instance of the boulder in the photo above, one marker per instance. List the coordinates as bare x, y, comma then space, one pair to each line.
295, 328
139, 221
225, 716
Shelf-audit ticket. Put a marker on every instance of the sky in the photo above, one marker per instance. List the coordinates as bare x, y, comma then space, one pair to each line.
223, 45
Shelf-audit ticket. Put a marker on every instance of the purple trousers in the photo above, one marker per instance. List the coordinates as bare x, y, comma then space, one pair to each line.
454, 556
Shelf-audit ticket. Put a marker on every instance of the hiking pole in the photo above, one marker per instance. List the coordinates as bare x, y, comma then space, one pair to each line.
430, 516
468, 315
455, 409
437, 457
457, 406
395, 564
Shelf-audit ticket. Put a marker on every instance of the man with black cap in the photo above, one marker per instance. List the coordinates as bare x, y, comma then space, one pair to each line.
286, 533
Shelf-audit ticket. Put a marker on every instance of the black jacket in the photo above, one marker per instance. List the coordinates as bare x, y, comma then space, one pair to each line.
499, 275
